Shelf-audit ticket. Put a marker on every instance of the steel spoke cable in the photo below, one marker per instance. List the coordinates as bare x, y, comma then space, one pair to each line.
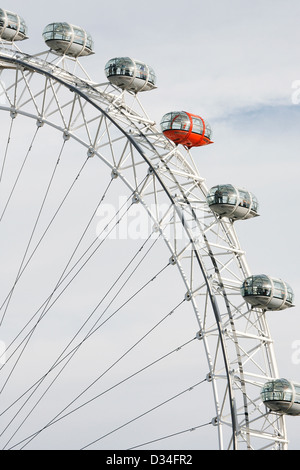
6, 149
58, 417
33, 230
171, 435
42, 315
66, 268
63, 278
143, 414
68, 274
19, 174
80, 240
86, 251
24, 265
90, 333
54, 216
103, 373
93, 330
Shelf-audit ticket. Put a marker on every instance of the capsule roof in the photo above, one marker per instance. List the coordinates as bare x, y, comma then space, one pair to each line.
12, 26
282, 396
67, 39
186, 129
130, 74
267, 293
232, 202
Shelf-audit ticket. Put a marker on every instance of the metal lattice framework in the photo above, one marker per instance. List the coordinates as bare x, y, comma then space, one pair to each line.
201, 246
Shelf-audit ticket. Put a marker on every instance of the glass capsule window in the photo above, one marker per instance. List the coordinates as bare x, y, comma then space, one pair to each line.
255, 205
12, 20
297, 393
197, 125
120, 66
244, 199
2, 17
279, 290
141, 70
290, 294
58, 31
152, 76
175, 121
79, 36
208, 130
277, 390
167, 120
257, 285
225, 194
23, 27
181, 122
83, 38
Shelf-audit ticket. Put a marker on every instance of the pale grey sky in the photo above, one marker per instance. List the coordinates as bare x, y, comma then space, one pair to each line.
234, 62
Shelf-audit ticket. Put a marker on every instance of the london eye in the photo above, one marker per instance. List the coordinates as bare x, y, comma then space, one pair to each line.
126, 297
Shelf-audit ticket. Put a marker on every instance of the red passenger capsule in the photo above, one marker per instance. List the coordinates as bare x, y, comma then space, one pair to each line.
186, 129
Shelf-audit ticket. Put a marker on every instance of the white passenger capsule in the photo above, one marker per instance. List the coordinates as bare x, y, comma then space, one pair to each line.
234, 203
12, 26
67, 39
130, 74
267, 293
282, 396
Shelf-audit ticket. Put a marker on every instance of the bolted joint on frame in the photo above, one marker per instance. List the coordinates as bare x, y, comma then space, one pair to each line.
91, 152
209, 377
13, 113
199, 335
66, 135
40, 122
135, 198
173, 260
215, 421
114, 173
151, 170
188, 296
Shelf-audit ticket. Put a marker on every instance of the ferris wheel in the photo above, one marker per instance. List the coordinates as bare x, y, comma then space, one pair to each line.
129, 317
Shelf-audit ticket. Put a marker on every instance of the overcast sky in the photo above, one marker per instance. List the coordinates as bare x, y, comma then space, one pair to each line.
236, 63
